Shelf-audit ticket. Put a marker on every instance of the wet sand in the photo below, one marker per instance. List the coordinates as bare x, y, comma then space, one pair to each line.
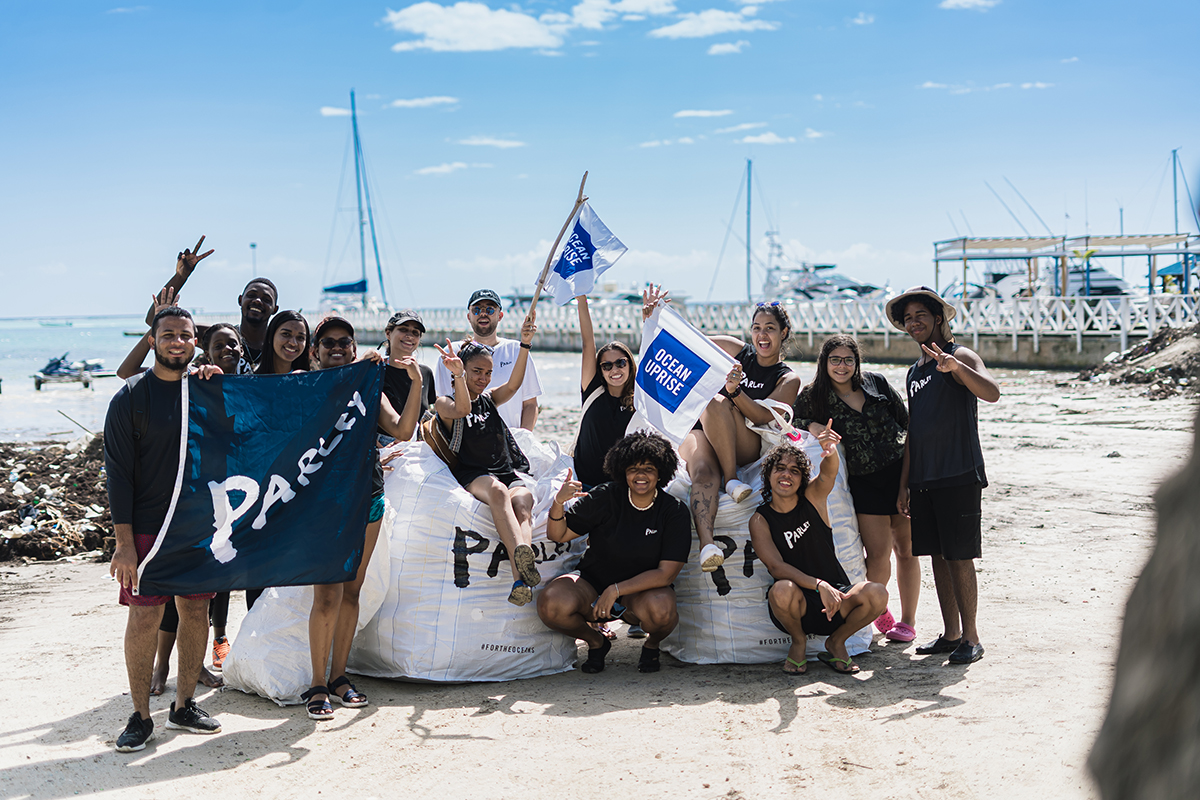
1068, 523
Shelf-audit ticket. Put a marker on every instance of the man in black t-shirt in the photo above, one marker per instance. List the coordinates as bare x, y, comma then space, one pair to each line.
141, 456
942, 479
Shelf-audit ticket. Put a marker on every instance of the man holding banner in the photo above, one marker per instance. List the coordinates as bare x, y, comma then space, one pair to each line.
141, 456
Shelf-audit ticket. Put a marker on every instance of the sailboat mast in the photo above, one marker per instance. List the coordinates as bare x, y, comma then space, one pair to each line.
358, 193
749, 166
374, 240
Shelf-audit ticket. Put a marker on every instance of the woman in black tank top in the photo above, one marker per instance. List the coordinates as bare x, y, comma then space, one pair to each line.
721, 442
485, 469
792, 537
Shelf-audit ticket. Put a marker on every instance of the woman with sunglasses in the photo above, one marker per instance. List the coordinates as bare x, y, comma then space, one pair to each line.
872, 419
606, 379
721, 442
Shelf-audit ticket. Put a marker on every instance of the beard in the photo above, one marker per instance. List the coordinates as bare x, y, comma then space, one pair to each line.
174, 364
485, 328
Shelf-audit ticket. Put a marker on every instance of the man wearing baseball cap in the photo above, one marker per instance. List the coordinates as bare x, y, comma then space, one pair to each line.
484, 314
942, 479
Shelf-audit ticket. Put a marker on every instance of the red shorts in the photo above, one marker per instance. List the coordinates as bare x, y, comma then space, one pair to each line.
142, 545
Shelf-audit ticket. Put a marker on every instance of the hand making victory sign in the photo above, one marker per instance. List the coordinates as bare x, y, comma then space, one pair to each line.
945, 361
185, 262
453, 363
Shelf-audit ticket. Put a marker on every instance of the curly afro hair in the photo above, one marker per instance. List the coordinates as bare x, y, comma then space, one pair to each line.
778, 453
638, 448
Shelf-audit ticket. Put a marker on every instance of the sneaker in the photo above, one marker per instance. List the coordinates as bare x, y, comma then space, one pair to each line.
711, 557
738, 491
192, 718
635, 632
137, 732
220, 650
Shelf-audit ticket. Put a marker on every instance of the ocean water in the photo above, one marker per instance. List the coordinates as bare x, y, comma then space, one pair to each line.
26, 346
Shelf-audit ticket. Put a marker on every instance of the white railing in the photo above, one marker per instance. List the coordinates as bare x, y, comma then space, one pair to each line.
1034, 317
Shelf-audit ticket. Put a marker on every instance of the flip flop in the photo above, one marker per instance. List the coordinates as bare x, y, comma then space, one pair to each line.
833, 661
801, 667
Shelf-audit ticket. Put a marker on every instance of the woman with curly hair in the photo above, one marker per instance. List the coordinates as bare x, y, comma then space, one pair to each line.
792, 536
872, 419
638, 541
287, 345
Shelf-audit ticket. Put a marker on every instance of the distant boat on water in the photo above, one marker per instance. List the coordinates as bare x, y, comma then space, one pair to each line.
55, 323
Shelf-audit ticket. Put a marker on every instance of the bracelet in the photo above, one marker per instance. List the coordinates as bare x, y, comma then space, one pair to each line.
559, 519
527, 346
735, 392
618, 585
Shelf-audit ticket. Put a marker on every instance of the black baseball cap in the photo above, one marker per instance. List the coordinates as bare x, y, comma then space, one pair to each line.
485, 294
330, 322
405, 315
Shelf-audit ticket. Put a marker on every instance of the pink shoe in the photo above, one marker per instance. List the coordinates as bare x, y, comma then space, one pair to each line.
901, 633
885, 622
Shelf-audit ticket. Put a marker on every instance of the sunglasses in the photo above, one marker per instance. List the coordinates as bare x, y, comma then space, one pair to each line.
484, 311
330, 343
771, 304
609, 366
838, 361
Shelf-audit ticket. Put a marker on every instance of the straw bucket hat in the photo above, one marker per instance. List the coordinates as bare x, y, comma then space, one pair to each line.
895, 308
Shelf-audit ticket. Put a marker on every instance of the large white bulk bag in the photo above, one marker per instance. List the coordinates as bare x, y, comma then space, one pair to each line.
723, 614
270, 655
446, 615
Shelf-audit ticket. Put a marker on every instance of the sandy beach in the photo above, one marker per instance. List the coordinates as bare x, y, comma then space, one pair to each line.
1068, 523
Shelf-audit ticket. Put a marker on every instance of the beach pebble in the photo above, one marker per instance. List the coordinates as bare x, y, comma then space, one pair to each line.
1113, 454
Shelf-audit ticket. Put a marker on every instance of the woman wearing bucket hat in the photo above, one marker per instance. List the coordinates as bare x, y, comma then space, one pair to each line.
943, 477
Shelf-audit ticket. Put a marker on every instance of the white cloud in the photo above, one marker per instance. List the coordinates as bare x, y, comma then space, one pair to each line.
589, 44
977, 5
127, 10
713, 22
818, 97
441, 169
550, 53
932, 85
594, 14
728, 48
1036, 85
863, 18
654, 143
488, 141
767, 138
331, 111
468, 27
725, 112
1070, 60
685, 140
745, 126
809, 133
423, 102
668, 142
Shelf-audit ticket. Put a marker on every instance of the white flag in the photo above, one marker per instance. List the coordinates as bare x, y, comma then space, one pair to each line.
680, 371
590, 250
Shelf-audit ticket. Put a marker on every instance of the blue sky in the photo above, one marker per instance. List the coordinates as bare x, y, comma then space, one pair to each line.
127, 131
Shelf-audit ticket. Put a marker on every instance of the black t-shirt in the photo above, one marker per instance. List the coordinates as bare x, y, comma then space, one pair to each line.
250, 358
485, 438
154, 458
602, 426
624, 542
758, 381
396, 386
805, 541
943, 429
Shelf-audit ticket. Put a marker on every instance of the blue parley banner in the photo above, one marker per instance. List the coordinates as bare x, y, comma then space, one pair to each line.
275, 485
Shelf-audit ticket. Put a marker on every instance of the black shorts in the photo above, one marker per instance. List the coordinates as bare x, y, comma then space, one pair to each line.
464, 476
813, 621
876, 492
946, 522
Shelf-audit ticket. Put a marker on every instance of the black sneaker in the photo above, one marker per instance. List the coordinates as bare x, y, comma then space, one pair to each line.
192, 718
137, 732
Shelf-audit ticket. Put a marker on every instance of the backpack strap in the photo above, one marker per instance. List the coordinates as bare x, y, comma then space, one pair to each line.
591, 399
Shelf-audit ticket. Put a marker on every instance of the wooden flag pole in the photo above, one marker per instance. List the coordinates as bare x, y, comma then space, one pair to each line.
579, 201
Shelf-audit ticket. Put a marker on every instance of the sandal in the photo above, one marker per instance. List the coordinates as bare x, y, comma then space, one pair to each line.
798, 667
319, 710
520, 594
603, 629
648, 661
833, 661
351, 698
595, 658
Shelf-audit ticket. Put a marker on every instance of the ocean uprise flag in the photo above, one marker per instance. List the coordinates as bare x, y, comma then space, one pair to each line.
274, 483
591, 249
680, 371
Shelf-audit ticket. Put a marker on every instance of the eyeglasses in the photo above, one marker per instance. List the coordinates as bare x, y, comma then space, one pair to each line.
484, 311
330, 343
771, 304
609, 366
838, 361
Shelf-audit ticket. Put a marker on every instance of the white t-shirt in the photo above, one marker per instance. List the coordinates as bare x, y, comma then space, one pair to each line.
504, 357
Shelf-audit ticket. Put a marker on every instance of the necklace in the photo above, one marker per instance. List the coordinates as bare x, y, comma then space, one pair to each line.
640, 508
